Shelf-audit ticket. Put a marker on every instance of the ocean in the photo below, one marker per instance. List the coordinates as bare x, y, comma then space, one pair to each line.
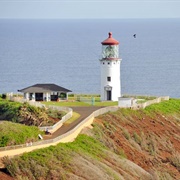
67, 53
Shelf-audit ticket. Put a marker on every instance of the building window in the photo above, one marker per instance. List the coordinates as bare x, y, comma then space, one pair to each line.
109, 78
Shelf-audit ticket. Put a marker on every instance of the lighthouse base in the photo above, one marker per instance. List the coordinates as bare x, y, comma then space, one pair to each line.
107, 94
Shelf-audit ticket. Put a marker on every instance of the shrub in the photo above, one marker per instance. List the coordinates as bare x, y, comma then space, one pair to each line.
121, 153
4, 141
55, 113
27, 114
3, 96
9, 110
126, 134
137, 138
175, 160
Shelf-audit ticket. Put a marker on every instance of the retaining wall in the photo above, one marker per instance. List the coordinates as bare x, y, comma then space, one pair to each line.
56, 126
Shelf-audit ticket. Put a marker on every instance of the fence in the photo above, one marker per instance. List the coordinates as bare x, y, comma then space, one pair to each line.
89, 100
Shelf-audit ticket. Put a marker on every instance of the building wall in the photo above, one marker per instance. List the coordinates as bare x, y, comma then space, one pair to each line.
110, 68
125, 102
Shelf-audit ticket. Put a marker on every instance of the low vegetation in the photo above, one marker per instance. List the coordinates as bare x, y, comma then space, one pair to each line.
166, 107
14, 134
80, 103
27, 114
74, 117
148, 137
82, 100
55, 160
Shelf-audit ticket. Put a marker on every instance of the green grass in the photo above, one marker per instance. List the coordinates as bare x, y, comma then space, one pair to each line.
67, 104
106, 103
14, 134
77, 103
73, 100
40, 163
74, 117
9, 110
27, 114
166, 107
146, 98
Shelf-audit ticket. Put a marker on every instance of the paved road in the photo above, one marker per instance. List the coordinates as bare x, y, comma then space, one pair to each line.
83, 111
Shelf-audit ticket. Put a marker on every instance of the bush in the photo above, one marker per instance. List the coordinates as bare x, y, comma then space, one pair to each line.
27, 114
137, 138
55, 113
175, 160
126, 134
3, 96
9, 110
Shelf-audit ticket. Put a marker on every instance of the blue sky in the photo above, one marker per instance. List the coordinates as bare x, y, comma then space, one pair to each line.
89, 9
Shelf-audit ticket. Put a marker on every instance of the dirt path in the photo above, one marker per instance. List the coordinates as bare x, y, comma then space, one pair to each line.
83, 111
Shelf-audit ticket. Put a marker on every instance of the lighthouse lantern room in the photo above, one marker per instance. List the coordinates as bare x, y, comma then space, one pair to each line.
110, 70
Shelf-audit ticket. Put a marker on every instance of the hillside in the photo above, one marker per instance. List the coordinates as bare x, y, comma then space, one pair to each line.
126, 144
27, 114
15, 133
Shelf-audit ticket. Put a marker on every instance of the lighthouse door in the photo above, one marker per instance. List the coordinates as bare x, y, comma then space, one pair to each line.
109, 95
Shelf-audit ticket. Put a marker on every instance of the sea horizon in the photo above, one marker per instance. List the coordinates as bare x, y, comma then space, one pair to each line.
67, 52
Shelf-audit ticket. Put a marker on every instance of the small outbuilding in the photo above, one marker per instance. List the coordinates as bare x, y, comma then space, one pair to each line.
126, 102
45, 92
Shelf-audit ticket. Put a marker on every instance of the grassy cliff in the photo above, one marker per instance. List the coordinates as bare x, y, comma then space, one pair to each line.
126, 144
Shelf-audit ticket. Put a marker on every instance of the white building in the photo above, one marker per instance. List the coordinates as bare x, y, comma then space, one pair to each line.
126, 102
110, 70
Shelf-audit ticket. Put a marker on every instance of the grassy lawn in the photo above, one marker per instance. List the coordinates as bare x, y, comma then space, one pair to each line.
77, 103
74, 117
78, 100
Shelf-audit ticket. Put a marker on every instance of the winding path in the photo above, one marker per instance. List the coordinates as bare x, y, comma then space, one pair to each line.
83, 111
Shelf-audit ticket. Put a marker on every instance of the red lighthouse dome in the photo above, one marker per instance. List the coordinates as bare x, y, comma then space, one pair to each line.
110, 40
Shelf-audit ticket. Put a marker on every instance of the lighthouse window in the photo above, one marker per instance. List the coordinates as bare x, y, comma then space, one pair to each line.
103, 62
108, 62
109, 78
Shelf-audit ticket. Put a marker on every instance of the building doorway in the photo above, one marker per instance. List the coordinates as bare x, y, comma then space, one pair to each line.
39, 96
109, 98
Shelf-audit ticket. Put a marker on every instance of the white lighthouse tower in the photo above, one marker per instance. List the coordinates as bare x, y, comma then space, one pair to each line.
110, 70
